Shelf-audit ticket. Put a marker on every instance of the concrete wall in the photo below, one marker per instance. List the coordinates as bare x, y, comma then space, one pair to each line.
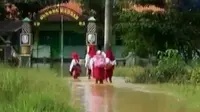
55, 26
44, 51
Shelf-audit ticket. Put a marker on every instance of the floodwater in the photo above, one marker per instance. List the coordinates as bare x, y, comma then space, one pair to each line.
117, 97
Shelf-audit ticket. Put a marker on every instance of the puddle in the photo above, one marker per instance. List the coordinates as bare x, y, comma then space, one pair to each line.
110, 98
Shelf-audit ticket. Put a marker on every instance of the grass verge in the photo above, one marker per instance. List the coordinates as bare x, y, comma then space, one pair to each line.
33, 90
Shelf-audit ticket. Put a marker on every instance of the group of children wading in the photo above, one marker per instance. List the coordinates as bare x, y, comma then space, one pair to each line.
99, 64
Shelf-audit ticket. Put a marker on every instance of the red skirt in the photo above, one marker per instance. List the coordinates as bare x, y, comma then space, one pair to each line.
76, 71
98, 73
109, 72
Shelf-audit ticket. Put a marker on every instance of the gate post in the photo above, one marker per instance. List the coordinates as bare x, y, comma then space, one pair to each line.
25, 44
7, 51
91, 35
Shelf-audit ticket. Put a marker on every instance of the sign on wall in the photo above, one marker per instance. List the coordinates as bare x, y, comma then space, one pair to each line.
91, 39
25, 39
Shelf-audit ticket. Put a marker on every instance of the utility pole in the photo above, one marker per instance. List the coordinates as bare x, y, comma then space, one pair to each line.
61, 43
62, 47
108, 24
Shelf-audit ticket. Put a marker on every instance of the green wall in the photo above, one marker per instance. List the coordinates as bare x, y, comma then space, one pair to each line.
56, 26
74, 40
44, 51
49, 35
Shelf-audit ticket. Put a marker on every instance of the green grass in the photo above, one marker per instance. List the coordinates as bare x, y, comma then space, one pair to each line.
130, 72
33, 90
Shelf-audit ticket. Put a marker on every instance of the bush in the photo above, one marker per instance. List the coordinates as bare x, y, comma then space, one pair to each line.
31, 90
129, 73
170, 68
195, 75
194, 71
146, 76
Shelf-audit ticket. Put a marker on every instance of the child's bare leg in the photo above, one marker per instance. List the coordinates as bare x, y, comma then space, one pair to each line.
74, 77
106, 79
110, 79
96, 81
101, 81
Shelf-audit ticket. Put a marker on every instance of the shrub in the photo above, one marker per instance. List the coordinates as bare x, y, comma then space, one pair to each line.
123, 71
146, 76
31, 90
171, 67
195, 75
129, 73
194, 71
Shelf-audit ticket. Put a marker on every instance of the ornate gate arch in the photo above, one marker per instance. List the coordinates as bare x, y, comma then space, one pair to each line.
71, 11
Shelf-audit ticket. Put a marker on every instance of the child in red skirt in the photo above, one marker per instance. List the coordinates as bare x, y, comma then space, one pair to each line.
75, 68
110, 64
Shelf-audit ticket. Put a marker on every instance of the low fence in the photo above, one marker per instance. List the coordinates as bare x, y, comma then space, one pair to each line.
130, 60
8, 55
134, 60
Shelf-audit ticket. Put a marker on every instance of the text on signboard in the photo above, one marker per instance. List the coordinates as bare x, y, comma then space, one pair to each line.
64, 11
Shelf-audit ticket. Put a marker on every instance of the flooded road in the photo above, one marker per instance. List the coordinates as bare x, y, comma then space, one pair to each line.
116, 98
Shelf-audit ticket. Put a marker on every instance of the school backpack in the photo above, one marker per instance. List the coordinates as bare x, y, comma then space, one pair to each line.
99, 61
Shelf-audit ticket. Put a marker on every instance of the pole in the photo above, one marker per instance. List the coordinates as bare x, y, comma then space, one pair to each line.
61, 47
107, 24
37, 46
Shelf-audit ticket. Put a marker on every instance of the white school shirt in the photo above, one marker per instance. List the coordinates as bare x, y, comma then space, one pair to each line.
87, 59
104, 54
73, 62
108, 61
91, 62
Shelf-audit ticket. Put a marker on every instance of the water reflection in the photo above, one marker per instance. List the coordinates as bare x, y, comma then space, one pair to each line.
145, 102
93, 98
100, 99
106, 98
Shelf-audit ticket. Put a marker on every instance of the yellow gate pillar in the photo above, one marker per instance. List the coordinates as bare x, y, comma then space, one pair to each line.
91, 35
25, 44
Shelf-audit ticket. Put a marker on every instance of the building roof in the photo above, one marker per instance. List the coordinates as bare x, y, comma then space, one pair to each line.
10, 26
143, 8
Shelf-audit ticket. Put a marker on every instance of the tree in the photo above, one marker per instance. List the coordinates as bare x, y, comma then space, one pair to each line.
18, 9
149, 31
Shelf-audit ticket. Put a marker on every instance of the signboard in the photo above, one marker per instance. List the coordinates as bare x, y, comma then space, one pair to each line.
59, 10
25, 39
91, 39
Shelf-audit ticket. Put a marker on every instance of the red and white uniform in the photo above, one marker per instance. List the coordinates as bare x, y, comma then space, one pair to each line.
88, 58
98, 62
110, 63
75, 68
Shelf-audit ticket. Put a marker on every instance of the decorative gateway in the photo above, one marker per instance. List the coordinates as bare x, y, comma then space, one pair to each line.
70, 10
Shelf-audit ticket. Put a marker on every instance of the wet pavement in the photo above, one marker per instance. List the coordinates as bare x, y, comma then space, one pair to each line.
120, 97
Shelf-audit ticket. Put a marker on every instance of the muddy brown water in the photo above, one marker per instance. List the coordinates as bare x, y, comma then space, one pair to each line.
118, 97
